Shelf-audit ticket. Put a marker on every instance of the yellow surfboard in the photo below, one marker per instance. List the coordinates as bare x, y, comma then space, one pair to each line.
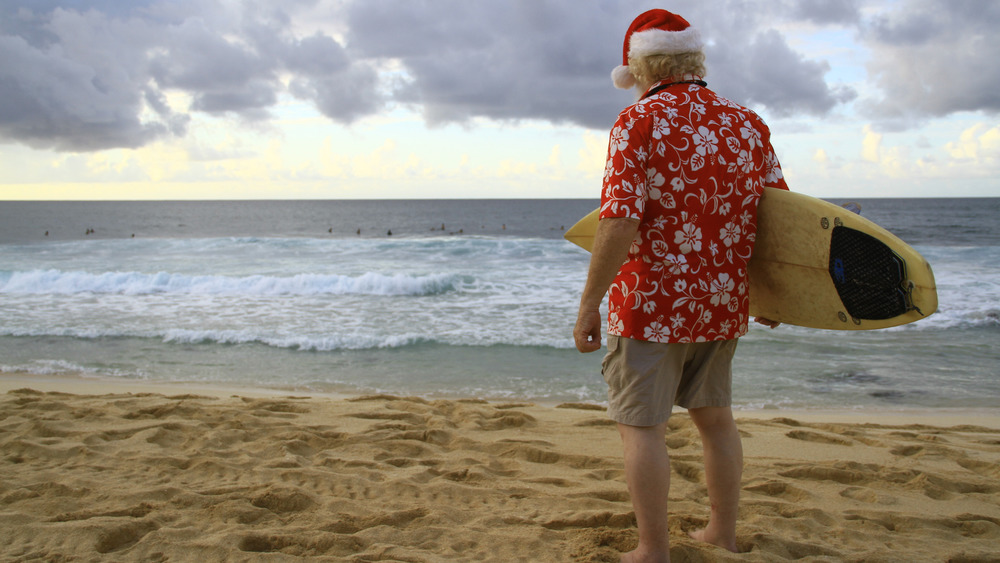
821, 266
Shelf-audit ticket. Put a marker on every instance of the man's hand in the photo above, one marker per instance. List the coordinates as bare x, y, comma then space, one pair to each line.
587, 332
767, 322
611, 243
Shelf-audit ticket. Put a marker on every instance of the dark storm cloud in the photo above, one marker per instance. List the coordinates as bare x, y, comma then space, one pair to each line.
91, 74
325, 75
934, 58
503, 60
754, 65
767, 72
551, 59
221, 74
63, 90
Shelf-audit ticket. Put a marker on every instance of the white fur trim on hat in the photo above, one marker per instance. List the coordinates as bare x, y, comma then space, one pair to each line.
660, 42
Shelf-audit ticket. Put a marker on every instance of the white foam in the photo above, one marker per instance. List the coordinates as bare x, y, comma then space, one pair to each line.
57, 282
62, 367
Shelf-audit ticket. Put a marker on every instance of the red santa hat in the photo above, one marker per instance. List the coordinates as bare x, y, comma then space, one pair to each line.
656, 32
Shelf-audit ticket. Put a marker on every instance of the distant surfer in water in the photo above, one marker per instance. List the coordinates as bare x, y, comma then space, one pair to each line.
684, 174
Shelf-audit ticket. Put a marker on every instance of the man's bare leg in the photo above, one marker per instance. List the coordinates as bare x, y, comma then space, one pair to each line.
647, 471
723, 472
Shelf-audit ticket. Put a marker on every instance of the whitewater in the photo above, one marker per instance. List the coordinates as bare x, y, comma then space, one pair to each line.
479, 311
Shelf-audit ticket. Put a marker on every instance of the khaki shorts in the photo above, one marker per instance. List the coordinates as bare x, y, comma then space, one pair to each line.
646, 379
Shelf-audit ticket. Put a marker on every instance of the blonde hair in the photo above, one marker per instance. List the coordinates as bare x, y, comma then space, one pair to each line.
652, 68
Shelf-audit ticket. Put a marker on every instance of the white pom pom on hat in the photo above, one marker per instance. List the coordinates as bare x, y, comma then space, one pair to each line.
656, 32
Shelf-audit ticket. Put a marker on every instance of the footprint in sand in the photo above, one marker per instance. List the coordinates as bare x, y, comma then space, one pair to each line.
808, 436
779, 489
123, 535
283, 500
868, 496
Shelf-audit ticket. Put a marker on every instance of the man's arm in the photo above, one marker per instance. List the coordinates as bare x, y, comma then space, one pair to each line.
611, 243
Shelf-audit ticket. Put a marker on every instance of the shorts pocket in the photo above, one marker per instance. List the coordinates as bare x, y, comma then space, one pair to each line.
614, 344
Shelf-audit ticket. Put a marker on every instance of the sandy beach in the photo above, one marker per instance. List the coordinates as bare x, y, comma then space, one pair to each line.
95, 471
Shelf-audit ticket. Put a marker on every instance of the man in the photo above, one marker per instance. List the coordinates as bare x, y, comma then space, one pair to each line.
684, 173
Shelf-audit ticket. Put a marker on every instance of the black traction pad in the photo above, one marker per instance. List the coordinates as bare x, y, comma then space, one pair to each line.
868, 275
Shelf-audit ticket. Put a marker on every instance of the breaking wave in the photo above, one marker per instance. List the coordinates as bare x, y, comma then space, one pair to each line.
40, 282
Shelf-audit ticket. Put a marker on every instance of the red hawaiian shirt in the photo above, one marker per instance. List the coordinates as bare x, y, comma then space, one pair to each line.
690, 165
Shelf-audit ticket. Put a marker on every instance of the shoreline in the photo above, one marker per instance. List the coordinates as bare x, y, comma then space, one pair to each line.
88, 385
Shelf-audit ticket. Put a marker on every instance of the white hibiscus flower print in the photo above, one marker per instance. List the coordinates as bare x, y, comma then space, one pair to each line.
689, 238
706, 141
750, 134
772, 170
655, 181
656, 332
745, 162
676, 264
619, 139
730, 234
661, 128
721, 289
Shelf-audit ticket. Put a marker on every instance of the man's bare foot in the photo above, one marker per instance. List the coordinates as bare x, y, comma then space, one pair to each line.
642, 557
702, 536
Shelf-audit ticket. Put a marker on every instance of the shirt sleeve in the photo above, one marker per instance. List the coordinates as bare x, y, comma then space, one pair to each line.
624, 192
773, 176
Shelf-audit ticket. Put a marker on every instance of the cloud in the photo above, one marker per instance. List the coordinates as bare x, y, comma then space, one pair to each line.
65, 94
933, 59
96, 76
523, 59
549, 59
825, 12
343, 97
978, 145
89, 75
767, 72
871, 146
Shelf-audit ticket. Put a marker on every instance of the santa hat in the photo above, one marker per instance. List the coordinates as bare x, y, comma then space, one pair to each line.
656, 32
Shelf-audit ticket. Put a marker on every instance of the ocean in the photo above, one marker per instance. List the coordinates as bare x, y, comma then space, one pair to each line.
439, 299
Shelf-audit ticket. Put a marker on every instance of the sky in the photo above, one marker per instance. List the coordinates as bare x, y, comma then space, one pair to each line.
416, 99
